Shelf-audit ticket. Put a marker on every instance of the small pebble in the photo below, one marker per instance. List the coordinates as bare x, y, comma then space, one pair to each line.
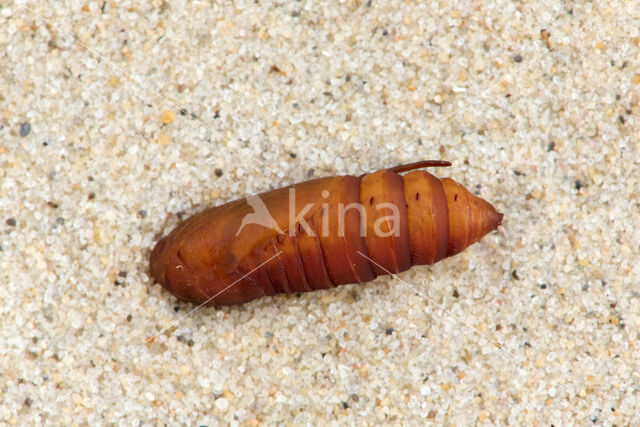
363, 371
11, 222
218, 172
168, 117
518, 58
164, 139
25, 129
222, 404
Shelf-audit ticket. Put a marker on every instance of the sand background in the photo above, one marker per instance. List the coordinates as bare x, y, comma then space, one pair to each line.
141, 112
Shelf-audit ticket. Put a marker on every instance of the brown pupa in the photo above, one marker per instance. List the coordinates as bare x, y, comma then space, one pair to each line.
320, 234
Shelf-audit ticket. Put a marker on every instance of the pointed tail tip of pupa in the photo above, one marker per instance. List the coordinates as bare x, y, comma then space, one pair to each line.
493, 219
